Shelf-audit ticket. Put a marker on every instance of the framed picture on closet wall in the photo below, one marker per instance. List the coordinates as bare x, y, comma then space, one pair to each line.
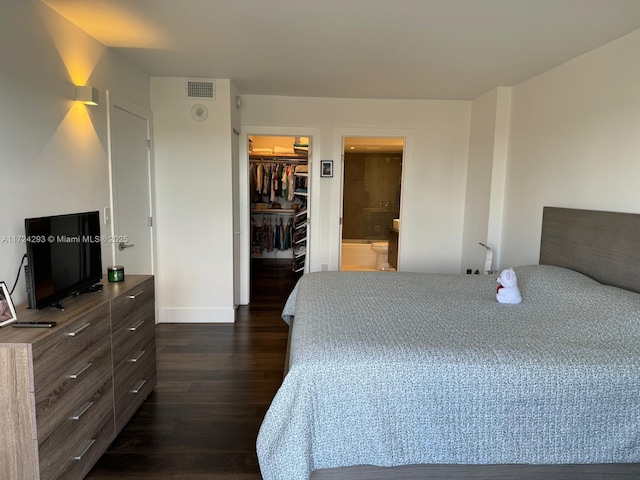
326, 168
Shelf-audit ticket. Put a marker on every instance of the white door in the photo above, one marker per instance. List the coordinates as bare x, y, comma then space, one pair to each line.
131, 180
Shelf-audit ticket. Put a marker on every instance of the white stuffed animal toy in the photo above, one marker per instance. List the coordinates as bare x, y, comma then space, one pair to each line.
508, 291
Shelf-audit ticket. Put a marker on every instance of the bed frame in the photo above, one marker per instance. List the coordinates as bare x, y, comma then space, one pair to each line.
602, 245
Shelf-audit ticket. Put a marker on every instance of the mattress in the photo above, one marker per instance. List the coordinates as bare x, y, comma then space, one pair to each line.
402, 368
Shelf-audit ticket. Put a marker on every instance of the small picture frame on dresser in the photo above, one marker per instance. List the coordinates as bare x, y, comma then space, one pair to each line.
7, 310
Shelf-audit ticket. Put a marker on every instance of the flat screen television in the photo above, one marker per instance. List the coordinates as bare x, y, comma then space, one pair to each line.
64, 256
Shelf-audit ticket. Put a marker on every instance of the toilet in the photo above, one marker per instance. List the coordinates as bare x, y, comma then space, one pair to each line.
382, 252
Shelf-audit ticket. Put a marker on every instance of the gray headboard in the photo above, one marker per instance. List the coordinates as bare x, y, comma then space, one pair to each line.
602, 245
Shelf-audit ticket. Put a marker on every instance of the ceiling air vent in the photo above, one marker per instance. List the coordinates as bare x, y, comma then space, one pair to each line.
201, 89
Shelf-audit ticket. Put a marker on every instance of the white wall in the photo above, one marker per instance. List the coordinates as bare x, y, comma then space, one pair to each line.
194, 203
479, 171
432, 214
484, 202
53, 155
575, 142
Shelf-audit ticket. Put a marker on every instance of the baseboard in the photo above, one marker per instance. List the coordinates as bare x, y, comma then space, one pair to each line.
196, 315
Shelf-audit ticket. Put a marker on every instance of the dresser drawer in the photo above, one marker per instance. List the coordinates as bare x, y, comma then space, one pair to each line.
89, 419
133, 369
79, 377
133, 382
67, 343
134, 306
129, 340
84, 454
87, 452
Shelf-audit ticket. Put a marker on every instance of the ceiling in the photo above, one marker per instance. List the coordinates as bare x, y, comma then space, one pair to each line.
373, 144
400, 49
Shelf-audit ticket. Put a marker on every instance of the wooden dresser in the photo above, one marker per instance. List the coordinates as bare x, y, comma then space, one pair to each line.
67, 391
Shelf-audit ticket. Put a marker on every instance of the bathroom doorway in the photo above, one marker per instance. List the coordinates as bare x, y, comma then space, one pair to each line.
371, 192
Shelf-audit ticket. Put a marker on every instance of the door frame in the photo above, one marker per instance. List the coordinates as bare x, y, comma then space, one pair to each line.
313, 252
115, 101
405, 193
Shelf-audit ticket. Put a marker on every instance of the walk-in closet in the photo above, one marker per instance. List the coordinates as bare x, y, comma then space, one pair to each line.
279, 193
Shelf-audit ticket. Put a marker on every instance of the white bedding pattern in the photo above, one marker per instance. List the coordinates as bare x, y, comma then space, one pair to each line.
402, 368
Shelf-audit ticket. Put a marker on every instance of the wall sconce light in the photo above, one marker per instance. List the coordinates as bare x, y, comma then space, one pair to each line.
87, 94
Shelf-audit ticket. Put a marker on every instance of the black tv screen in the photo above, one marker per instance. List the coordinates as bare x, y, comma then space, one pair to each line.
64, 256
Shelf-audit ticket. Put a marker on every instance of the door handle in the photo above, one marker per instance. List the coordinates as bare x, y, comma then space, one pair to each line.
122, 245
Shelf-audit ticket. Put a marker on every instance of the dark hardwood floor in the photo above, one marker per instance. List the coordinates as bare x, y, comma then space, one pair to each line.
215, 382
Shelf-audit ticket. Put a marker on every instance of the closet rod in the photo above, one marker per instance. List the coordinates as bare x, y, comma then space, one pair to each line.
279, 160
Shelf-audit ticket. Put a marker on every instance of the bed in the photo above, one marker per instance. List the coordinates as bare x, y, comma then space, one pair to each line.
408, 375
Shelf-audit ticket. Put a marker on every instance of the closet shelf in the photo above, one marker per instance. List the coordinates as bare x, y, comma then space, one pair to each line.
273, 211
269, 157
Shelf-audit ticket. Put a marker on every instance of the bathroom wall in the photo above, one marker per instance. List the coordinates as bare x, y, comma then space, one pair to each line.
371, 196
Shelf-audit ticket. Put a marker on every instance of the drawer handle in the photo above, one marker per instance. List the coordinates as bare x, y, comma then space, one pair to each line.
73, 334
82, 411
85, 450
136, 327
135, 359
81, 371
133, 297
138, 387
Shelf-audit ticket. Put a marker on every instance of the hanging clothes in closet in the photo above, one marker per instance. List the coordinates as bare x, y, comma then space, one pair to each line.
271, 181
278, 193
271, 235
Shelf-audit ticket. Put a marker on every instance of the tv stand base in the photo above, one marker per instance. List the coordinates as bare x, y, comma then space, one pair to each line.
93, 288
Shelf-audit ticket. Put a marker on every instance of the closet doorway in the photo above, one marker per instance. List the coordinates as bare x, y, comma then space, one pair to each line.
252, 132
279, 200
371, 193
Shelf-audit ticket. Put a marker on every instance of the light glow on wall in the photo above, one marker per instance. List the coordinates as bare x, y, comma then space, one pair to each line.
79, 54
77, 128
114, 24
